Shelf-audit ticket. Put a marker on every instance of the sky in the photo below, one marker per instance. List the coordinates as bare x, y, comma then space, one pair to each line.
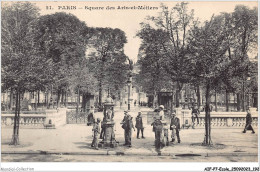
100, 14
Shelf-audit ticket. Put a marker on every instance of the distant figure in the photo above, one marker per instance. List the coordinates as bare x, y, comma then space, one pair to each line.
248, 122
29, 107
161, 112
96, 131
139, 125
91, 116
210, 107
175, 127
135, 103
186, 104
195, 112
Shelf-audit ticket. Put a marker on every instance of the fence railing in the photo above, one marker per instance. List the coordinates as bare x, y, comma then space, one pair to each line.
30, 119
218, 119
26, 120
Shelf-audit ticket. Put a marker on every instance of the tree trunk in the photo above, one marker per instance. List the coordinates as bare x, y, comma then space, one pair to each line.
154, 100
35, 100
78, 101
38, 96
47, 99
207, 139
216, 104
227, 98
243, 96
11, 99
198, 95
84, 101
177, 98
62, 97
15, 137
238, 102
58, 97
66, 97
100, 95
51, 99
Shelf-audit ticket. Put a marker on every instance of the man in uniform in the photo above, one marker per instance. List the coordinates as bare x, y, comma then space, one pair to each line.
96, 131
248, 121
139, 125
175, 127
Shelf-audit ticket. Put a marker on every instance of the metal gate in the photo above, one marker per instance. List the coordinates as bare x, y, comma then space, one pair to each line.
76, 118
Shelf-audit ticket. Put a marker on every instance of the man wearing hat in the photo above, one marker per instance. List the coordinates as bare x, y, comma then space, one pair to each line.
248, 121
127, 125
161, 112
96, 131
195, 112
139, 125
175, 127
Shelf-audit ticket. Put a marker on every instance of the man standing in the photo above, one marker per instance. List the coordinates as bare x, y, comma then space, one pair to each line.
139, 125
96, 131
158, 131
248, 122
91, 116
127, 126
175, 127
161, 112
195, 112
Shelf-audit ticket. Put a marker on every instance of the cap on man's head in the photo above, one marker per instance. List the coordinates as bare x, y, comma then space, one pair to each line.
161, 106
173, 113
139, 112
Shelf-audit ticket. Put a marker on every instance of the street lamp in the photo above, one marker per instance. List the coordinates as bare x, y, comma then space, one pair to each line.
129, 84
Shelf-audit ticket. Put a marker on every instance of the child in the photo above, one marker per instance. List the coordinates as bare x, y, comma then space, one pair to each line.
96, 131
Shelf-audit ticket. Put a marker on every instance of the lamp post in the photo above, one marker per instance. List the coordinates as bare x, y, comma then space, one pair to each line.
129, 84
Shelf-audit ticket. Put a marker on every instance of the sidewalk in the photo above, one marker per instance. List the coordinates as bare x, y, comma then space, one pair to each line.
75, 139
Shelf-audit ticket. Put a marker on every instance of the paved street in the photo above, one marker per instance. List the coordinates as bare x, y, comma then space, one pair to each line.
72, 143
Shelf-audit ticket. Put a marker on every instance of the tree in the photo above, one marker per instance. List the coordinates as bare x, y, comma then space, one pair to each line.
82, 81
61, 38
152, 77
245, 28
106, 49
175, 23
116, 77
22, 69
209, 46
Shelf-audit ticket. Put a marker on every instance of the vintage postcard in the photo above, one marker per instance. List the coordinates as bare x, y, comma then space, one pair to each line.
129, 81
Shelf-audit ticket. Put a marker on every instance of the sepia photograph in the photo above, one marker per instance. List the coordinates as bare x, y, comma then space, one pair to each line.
130, 81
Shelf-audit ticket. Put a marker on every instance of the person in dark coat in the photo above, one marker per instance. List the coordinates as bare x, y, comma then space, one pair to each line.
195, 112
139, 125
127, 126
91, 116
248, 122
175, 127
96, 131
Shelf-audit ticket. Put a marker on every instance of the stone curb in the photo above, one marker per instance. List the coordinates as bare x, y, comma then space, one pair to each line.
180, 154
